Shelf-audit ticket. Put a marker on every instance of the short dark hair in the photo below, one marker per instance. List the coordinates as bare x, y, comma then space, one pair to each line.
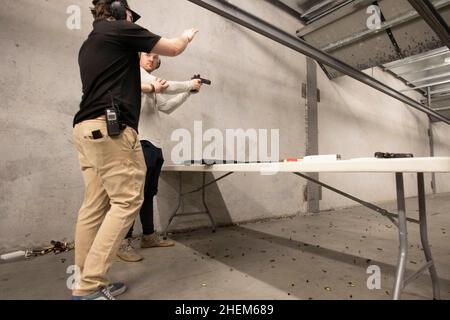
101, 10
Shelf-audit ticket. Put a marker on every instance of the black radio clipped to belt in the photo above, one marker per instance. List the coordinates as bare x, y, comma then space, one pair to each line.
112, 122
113, 119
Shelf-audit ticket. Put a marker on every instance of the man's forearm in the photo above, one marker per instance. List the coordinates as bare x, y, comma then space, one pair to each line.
171, 47
174, 47
176, 87
181, 44
168, 106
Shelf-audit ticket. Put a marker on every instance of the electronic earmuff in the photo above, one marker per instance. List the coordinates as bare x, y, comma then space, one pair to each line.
118, 9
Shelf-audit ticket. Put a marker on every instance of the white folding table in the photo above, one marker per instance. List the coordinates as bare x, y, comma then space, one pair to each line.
364, 165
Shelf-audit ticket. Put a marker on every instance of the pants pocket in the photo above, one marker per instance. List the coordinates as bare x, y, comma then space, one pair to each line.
131, 139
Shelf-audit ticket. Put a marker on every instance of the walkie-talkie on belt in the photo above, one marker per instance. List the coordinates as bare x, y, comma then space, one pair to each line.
112, 119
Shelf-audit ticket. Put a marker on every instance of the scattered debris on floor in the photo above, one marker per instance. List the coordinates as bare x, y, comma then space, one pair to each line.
56, 247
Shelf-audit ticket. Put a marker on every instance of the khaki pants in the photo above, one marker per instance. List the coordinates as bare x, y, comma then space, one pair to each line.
114, 176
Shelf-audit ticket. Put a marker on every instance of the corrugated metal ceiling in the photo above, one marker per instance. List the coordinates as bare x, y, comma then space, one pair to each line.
404, 44
427, 72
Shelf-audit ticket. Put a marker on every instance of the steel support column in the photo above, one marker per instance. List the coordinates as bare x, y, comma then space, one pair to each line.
431, 139
312, 133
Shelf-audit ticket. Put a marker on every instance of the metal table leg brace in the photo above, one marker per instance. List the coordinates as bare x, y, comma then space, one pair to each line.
400, 281
180, 204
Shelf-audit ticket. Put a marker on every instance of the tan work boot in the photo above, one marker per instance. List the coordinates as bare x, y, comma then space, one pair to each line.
153, 241
128, 253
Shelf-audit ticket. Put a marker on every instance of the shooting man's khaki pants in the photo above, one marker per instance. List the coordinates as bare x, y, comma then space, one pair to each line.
114, 176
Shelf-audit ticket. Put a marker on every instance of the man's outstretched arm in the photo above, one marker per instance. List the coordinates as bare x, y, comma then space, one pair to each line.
176, 46
175, 95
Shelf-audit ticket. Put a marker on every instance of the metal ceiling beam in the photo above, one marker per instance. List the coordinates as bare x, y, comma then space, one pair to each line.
317, 7
239, 16
417, 58
329, 11
442, 109
420, 57
286, 8
439, 98
384, 26
445, 90
433, 67
436, 76
426, 85
336, 15
432, 17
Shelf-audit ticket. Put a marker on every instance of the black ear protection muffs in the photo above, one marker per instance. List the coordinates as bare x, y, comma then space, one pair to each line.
118, 9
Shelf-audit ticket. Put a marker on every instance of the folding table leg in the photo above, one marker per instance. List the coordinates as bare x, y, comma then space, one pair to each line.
403, 236
204, 202
172, 216
424, 236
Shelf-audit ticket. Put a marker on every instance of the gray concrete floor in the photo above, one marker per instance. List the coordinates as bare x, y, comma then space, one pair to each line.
322, 256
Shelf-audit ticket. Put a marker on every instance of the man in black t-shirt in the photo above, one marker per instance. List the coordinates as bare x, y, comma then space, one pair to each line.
113, 167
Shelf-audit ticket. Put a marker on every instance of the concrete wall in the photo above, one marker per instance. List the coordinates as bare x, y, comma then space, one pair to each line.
357, 121
256, 84
40, 182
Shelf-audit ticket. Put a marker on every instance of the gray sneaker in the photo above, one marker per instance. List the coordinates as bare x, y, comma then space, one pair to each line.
102, 294
128, 253
117, 288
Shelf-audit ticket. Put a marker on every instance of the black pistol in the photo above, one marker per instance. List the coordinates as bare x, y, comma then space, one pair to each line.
388, 155
204, 81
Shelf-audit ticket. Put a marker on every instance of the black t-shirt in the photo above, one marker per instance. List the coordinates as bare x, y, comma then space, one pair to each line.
109, 67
